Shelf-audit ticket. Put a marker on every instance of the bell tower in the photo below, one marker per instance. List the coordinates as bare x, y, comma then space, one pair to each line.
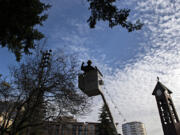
168, 115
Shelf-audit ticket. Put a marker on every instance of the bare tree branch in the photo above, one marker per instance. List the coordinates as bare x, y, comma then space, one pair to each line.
41, 89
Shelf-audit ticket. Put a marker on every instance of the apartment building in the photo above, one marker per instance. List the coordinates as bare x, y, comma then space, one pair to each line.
133, 128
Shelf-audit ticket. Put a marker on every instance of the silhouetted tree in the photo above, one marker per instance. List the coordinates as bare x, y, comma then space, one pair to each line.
18, 20
105, 126
41, 90
17, 25
106, 10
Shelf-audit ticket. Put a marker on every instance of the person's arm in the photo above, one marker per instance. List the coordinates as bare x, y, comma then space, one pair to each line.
82, 66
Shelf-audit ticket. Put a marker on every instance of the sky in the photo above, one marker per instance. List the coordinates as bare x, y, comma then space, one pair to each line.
130, 62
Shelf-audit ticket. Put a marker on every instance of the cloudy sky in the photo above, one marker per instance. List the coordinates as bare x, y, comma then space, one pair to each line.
130, 62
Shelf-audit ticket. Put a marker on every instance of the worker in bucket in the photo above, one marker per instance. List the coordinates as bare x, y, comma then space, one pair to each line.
88, 67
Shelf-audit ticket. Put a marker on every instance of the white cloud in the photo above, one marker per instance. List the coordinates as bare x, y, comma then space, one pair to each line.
131, 88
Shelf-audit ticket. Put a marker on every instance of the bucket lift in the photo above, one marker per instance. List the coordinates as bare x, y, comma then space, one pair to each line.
91, 84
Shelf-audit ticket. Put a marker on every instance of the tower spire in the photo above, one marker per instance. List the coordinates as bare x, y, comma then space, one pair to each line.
157, 79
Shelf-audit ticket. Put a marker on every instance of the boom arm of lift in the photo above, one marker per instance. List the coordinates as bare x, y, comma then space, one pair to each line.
110, 115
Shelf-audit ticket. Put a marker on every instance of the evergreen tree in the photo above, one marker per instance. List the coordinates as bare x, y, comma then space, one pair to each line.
105, 126
17, 26
107, 10
18, 31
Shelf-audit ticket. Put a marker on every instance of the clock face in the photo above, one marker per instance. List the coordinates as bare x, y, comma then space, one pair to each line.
159, 92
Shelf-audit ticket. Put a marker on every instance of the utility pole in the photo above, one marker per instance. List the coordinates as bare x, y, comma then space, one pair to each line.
43, 64
43, 67
45, 59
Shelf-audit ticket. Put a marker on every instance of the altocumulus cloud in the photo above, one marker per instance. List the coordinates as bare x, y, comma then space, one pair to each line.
131, 87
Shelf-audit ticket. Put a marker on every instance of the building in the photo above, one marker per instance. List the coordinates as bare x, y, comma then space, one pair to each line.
133, 128
167, 111
70, 127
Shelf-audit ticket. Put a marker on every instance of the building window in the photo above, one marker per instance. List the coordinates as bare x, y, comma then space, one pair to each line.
80, 130
96, 129
57, 130
85, 130
91, 132
62, 130
74, 130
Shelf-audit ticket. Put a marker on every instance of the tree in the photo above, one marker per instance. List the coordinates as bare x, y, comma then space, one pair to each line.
17, 25
105, 10
43, 88
105, 126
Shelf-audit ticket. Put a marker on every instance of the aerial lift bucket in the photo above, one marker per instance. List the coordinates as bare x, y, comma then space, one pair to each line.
91, 82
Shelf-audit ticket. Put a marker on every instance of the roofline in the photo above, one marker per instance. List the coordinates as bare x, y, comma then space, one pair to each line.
71, 122
161, 85
133, 122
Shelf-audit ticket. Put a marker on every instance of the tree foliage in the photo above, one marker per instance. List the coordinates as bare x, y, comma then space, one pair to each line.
105, 126
18, 31
105, 10
17, 25
41, 90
